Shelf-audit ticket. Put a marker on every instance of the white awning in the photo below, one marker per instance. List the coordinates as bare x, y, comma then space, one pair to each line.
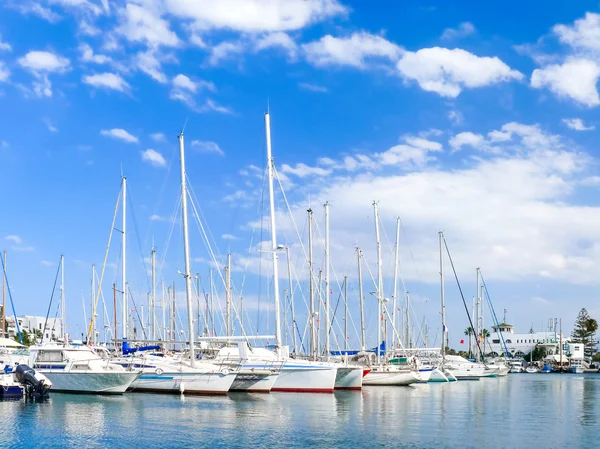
9, 343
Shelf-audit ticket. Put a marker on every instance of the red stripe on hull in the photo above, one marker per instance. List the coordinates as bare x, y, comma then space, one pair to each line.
349, 388
242, 390
366, 371
303, 390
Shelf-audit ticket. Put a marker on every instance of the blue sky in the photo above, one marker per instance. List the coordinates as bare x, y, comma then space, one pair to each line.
464, 117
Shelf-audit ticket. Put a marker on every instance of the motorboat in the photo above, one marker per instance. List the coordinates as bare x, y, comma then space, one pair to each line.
391, 375
463, 369
78, 369
532, 369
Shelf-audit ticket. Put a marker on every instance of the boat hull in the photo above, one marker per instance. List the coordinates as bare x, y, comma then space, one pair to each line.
399, 378
108, 382
437, 376
254, 381
348, 378
425, 375
210, 383
298, 377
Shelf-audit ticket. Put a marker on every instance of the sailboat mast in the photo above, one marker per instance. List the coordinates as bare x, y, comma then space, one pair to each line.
228, 296
164, 312
361, 300
124, 319
477, 329
311, 285
291, 288
4, 295
63, 305
327, 282
408, 332
346, 313
153, 297
93, 285
186, 252
274, 248
441, 237
394, 303
379, 282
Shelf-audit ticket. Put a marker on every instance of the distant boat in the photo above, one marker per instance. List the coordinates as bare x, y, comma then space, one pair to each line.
532, 369
546, 369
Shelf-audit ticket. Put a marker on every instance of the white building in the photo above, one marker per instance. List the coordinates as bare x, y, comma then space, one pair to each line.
51, 331
521, 344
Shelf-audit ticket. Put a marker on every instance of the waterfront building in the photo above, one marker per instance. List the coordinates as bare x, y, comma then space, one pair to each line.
51, 330
522, 344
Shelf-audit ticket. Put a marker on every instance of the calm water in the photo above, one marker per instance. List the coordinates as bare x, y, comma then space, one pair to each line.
536, 410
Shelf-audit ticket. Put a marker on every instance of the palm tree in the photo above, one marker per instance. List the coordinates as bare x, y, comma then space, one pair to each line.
483, 335
469, 332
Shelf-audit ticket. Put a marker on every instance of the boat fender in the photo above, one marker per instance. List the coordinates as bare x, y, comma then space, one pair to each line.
224, 371
158, 371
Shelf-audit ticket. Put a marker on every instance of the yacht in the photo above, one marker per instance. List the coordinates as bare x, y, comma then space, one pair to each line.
515, 366
78, 369
391, 375
463, 369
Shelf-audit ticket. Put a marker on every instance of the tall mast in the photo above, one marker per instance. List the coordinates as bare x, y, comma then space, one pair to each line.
291, 288
198, 296
274, 248
346, 313
311, 286
444, 330
477, 329
361, 300
327, 282
228, 296
408, 332
395, 300
212, 310
63, 304
124, 320
379, 283
164, 313
115, 311
153, 296
4, 295
186, 252
93, 285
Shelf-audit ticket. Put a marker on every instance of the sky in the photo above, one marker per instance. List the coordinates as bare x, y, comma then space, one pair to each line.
463, 117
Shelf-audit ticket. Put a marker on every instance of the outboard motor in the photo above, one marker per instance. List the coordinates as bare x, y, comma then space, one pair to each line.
34, 383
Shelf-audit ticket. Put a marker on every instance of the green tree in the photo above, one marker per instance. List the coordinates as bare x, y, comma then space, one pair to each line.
538, 353
584, 332
26, 339
469, 332
484, 334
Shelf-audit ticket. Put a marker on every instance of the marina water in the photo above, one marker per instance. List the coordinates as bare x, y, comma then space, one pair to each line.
520, 410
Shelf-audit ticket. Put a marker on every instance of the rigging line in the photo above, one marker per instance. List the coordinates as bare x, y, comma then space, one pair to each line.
52, 296
112, 227
461, 292
169, 236
137, 235
487, 294
12, 304
212, 241
135, 308
105, 318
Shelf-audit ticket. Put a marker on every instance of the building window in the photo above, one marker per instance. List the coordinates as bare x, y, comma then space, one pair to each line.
495, 341
508, 341
40, 326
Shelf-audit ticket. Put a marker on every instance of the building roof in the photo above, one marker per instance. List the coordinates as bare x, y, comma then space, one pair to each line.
9, 343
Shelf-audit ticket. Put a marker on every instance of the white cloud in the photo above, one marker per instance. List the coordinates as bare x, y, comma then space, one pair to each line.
210, 105
577, 124
225, 50
583, 35
158, 137
302, 170
14, 238
50, 126
353, 51
85, 6
183, 82
277, 40
229, 237
4, 72
252, 16
44, 62
148, 63
448, 72
88, 29
106, 80
464, 29
154, 158
118, 133
313, 87
144, 25
207, 146
4, 46
575, 78
455, 117
466, 138
47, 263
87, 55
38, 10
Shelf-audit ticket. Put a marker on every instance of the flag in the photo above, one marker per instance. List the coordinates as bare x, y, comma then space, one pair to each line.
132, 310
444, 328
462, 342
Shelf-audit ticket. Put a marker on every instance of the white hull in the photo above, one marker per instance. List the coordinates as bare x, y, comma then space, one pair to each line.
184, 382
381, 377
532, 370
438, 376
254, 381
450, 375
301, 376
577, 369
349, 378
106, 382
